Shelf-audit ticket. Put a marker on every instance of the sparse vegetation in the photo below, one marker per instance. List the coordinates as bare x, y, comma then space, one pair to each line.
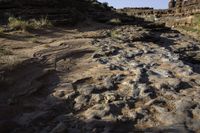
42, 23
4, 51
114, 34
19, 24
1, 29
115, 21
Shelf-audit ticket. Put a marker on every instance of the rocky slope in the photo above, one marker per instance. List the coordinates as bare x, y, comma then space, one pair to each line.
114, 80
63, 12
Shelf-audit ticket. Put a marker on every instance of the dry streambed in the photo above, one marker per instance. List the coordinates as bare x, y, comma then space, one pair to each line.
130, 79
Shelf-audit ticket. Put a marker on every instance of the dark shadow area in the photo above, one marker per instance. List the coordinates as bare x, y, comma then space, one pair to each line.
22, 89
60, 117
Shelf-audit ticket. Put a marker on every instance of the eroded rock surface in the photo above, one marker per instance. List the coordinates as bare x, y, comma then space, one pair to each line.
134, 79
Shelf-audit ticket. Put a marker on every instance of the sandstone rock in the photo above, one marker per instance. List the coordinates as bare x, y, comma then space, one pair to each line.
115, 67
163, 73
97, 55
65, 91
110, 97
184, 104
86, 90
96, 98
98, 111
160, 110
196, 113
145, 91
81, 101
103, 60
171, 118
169, 84
109, 83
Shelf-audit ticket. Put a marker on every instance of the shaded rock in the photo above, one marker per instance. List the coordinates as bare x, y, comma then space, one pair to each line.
96, 98
60, 128
109, 83
110, 97
169, 84
103, 60
65, 91
86, 90
130, 55
81, 101
118, 77
98, 111
135, 91
163, 73
193, 125
146, 91
171, 118
28, 118
97, 55
159, 109
184, 105
196, 113
116, 67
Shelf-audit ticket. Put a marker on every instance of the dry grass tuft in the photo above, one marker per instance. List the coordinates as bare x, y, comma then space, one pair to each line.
115, 21
19, 24
41, 23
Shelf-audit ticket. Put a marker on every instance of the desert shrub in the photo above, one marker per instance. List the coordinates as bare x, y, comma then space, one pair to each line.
115, 21
41, 23
18, 24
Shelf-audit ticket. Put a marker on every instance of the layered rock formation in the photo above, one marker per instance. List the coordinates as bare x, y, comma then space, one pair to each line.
176, 8
184, 6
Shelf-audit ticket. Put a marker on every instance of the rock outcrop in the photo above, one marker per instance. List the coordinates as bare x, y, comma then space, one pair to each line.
176, 8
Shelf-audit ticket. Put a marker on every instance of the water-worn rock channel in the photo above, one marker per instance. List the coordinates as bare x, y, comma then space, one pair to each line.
132, 79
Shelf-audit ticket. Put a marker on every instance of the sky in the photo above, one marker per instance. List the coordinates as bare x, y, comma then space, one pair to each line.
157, 4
